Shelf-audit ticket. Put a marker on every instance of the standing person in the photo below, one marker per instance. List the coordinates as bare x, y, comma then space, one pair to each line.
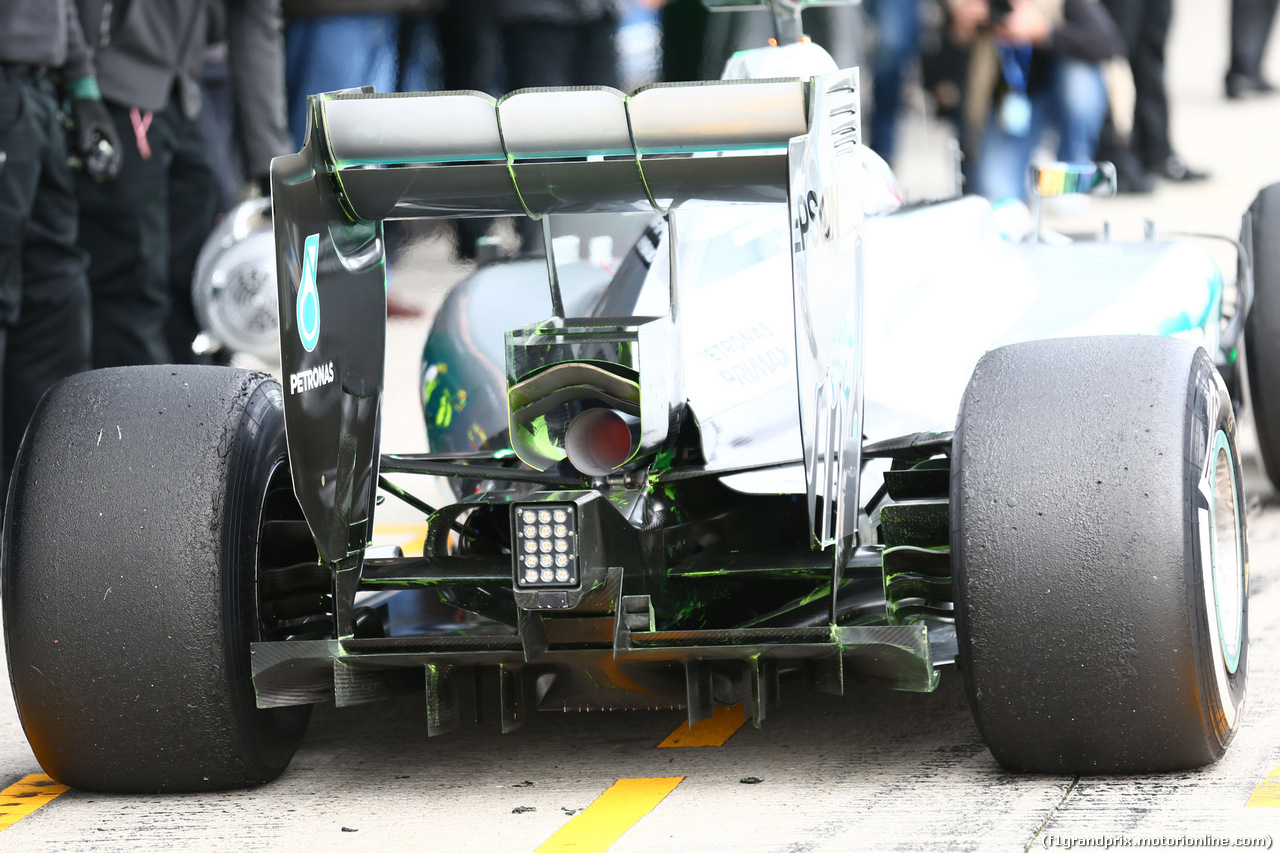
1251, 22
44, 295
143, 230
1145, 27
1035, 66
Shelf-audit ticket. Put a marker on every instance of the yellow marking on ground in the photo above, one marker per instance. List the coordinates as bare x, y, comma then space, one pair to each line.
599, 826
1267, 792
713, 731
25, 796
409, 536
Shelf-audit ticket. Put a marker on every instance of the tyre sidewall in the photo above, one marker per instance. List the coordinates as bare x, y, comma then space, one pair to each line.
1077, 549
1221, 691
271, 735
1262, 329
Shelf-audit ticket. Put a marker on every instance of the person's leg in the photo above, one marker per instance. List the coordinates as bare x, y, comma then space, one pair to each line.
19, 179
597, 54
469, 59
684, 29
1079, 108
538, 54
51, 339
1131, 172
1251, 22
1127, 15
1003, 160
1150, 137
124, 228
419, 66
193, 202
469, 42
897, 43
298, 49
333, 52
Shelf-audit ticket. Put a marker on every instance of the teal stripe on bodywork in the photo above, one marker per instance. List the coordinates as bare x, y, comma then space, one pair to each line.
1183, 323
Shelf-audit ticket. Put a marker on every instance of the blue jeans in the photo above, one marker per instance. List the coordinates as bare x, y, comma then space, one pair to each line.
337, 52
1073, 105
897, 45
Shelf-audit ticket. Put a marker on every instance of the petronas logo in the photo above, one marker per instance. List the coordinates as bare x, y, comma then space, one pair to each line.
308, 305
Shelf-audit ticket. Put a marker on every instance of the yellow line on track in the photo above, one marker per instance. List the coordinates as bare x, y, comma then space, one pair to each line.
599, 826
1267, 792
713, 731
25, 796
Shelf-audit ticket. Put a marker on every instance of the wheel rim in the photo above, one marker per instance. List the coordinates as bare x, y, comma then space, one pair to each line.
1227, 555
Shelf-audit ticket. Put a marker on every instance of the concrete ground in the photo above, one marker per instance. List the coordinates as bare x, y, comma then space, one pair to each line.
873, 771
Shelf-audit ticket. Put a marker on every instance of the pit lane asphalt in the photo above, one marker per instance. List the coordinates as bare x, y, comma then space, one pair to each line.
871, 771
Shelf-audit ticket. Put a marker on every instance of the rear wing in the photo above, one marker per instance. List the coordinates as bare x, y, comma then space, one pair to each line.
560, 150
371, 157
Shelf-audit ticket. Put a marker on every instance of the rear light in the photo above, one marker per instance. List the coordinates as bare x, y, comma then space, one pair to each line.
546, 545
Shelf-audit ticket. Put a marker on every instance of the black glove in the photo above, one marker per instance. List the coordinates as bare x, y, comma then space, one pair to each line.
96, 141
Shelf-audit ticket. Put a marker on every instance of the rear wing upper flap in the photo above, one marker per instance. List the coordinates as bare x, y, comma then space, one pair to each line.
541, 151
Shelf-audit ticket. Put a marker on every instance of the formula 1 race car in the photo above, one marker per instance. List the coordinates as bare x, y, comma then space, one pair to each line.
786, 438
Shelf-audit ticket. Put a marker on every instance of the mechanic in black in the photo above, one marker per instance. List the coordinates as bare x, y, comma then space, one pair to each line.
144, 231
44, 295
1145, 27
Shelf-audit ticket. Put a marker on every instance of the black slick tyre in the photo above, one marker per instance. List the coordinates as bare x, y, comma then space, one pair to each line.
1262, 329
132, 542
1099, 556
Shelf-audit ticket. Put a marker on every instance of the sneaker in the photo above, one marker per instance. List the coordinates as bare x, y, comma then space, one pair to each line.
1241, 86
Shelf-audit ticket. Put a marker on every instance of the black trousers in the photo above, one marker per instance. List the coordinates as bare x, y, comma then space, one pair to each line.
469, 42
1251, 22
1145, 27
44, 296
539, 54
143, 232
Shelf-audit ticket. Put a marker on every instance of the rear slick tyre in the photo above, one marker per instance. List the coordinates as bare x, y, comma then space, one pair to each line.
1262, 329
1100, 556
130, 579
